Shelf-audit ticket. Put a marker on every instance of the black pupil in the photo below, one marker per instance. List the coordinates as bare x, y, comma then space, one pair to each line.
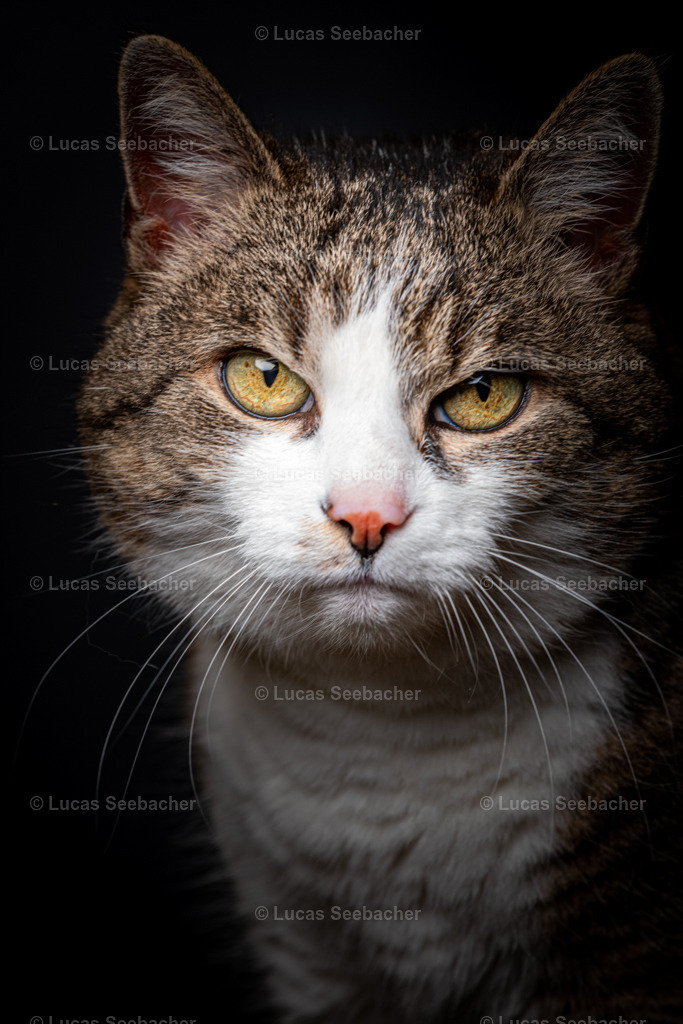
483, 385
270, 373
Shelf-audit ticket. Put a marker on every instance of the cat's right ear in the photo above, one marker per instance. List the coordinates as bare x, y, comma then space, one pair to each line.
190, 155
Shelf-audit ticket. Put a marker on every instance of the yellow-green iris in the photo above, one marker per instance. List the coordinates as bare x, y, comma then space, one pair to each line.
263, 386
486, 400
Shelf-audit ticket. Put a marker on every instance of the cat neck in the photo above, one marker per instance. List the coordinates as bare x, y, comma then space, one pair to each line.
418, 684
262, 726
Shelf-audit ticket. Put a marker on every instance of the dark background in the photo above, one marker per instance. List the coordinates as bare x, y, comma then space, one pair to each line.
115, 931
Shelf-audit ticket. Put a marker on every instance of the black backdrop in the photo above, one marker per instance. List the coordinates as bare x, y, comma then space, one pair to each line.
109, 932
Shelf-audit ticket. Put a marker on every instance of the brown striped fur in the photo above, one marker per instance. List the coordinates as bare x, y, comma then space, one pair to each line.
493, 259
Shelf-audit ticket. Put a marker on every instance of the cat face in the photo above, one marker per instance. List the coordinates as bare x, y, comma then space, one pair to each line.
347, 387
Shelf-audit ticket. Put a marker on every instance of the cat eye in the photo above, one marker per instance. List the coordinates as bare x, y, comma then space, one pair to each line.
265, 387
485, 401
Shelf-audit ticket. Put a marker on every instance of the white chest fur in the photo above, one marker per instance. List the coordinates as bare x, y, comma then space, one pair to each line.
394, 807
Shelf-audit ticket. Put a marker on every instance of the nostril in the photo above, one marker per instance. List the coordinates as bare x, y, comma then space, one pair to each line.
358, 538
368, 518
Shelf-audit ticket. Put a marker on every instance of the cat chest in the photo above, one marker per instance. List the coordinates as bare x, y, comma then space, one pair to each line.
421, 840
406, 811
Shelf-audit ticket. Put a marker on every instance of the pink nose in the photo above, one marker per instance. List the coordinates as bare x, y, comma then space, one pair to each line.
369, 517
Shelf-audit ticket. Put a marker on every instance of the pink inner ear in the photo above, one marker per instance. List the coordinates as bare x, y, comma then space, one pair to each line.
601, 242
159, 198
189, 150
603, 236
179, 215
162, 214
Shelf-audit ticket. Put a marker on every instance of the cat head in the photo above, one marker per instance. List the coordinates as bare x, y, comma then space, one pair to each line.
346, 386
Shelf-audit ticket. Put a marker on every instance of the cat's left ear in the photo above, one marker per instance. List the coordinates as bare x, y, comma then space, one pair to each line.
582, 181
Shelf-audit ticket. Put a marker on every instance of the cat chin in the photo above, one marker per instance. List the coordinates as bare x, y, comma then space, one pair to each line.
357, 620
348, 621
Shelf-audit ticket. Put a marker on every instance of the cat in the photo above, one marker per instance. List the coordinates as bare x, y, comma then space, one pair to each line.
392, 419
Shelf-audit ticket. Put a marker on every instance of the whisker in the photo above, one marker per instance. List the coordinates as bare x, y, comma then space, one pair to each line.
160, 646
475, 667
57, 451
455, 646
602, 700
84, 632
503, 690
482, 594
583, 600
218, 674
617, 623
561, 551
425, 657
654, 455
287, 588
508, 593
223, 601
162, 554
